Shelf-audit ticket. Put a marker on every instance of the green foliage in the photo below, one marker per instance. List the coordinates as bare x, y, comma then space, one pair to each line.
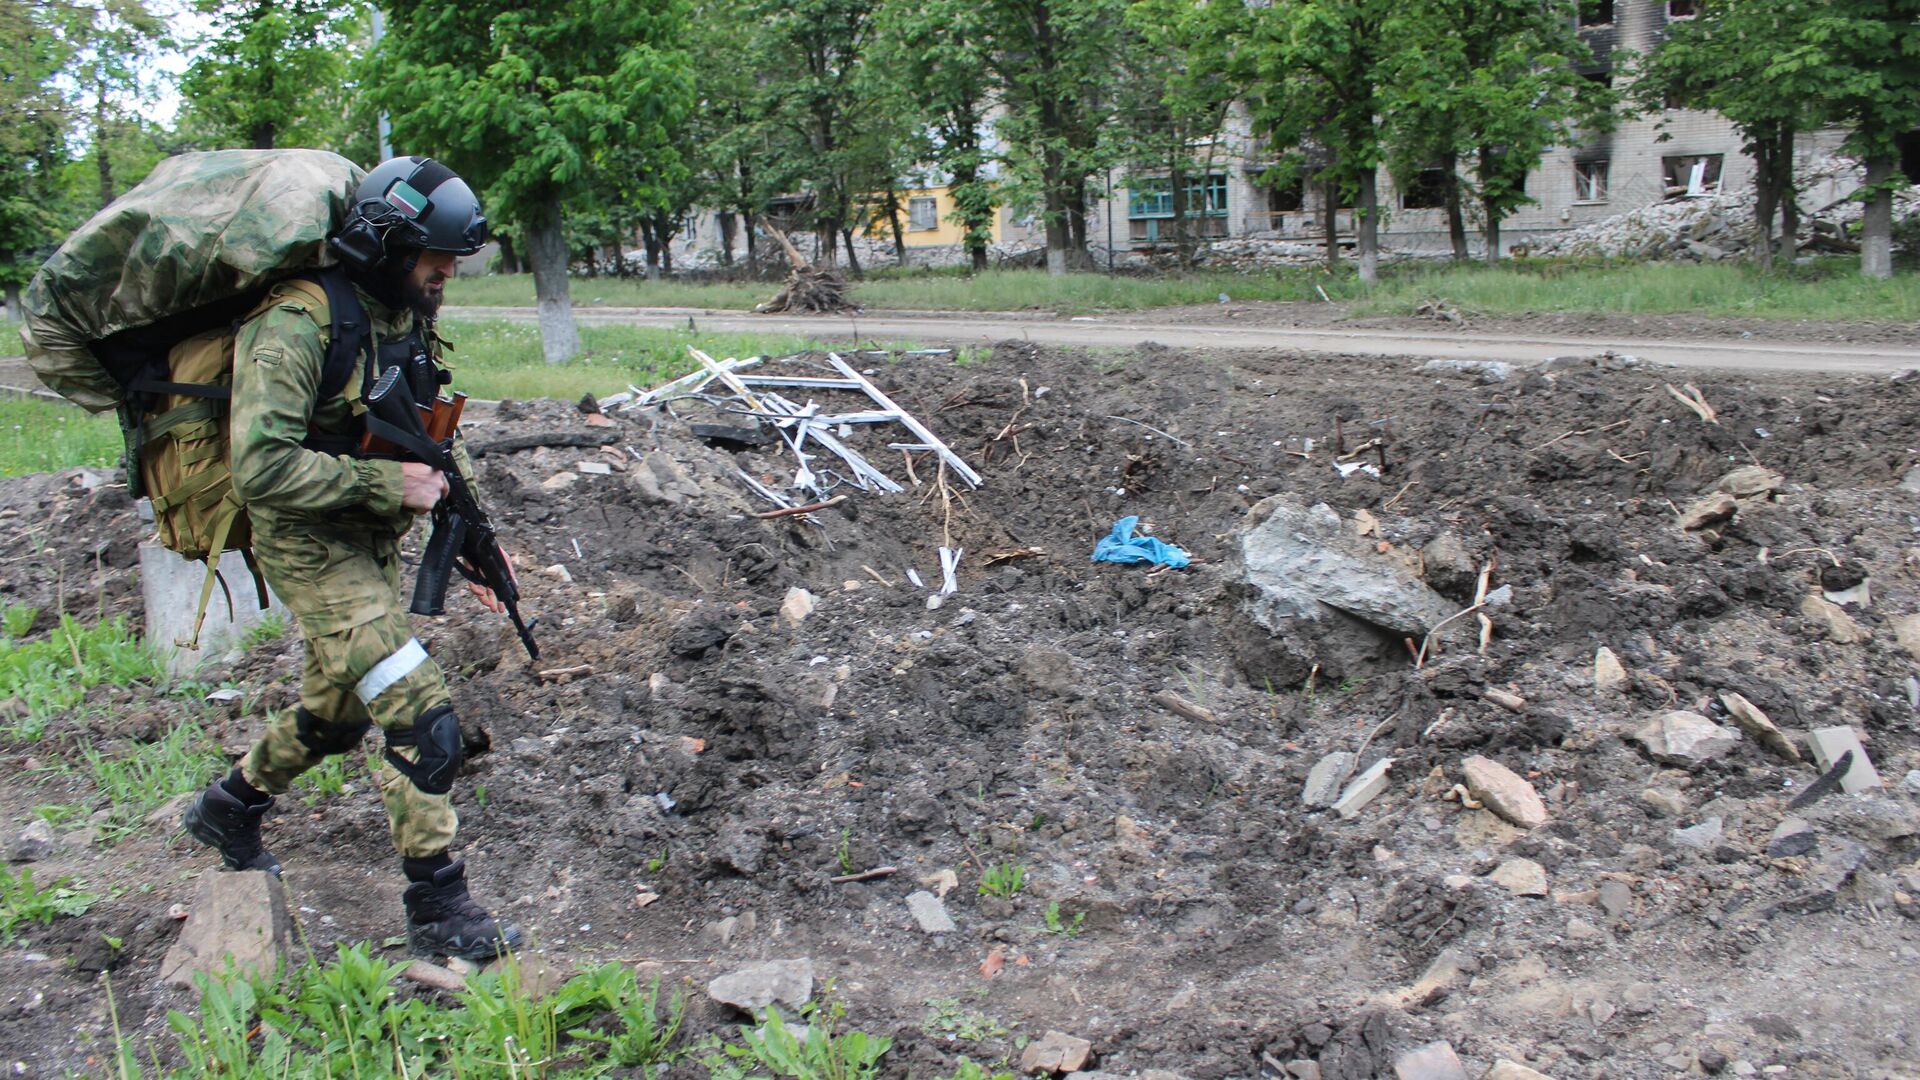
22, 903
1060, 925
148, 774
815, 1051
948, 1018
1004, 880
971, 1070
344, 1019
276, 74
844, 853
34, 122
271, 628
52, 674
37, 435
329, 778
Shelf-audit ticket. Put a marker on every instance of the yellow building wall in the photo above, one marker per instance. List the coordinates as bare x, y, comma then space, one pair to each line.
944, 233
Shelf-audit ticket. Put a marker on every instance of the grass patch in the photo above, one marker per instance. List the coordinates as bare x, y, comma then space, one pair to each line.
51, 674
139, 782
345, 1018
39, 435
499, 359
1830, 289
22, 903
10, 343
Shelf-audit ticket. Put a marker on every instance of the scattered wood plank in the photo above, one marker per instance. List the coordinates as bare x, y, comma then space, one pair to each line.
807, 509
562, 674
1173, 702
433, 975
866, 875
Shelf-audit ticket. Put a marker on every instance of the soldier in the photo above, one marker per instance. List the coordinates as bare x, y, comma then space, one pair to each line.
326, 534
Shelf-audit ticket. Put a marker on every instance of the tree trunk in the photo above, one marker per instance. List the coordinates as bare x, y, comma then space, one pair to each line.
546, 240
509, 258
1330, 214
1789, 215
853, 259
725, 220
1876, 222
1182, 245
1492, 231
1078, 257
650, 240
1764, 196
263, 135
893, 221
1057, 240
100, 155
13, 303
1369, 229
1456, 214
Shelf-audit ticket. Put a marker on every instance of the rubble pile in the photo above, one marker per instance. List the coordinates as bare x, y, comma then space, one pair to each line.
1721, 226
1542, 720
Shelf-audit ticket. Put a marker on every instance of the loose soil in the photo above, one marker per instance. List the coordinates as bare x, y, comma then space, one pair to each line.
734, 762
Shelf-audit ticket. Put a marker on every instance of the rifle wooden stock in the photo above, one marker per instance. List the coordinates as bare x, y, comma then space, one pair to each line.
440, 420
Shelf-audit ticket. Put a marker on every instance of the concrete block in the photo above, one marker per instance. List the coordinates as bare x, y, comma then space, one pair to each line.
1830, 743
1323, 782
170, 585
238, 920
1364, 789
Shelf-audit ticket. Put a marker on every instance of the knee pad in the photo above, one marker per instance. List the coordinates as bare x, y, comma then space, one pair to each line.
326, 737
435, 734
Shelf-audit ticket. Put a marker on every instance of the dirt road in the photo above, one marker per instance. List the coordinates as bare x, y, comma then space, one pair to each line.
1130, 330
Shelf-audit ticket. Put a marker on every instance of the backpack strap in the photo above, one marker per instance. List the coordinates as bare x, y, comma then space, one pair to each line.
352, 332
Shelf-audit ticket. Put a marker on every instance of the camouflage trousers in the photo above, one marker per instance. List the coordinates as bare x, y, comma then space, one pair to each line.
363, 666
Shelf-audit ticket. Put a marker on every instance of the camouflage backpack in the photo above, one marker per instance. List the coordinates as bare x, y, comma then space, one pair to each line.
137, 312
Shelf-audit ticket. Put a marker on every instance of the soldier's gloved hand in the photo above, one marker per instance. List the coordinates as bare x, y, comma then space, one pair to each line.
421, 486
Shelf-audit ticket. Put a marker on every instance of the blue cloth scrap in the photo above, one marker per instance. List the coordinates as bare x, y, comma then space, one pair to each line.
1122, 546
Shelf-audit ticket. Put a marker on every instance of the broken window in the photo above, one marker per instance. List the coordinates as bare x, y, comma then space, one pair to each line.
1426, 191
1590, 181
1682, 9
1691, 175
1596, 12
923, 213
1291, 198
1152, 196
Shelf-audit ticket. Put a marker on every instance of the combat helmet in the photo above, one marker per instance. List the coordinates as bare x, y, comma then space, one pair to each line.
407, 205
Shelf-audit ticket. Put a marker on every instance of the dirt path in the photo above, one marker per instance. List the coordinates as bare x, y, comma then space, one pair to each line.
1127, 331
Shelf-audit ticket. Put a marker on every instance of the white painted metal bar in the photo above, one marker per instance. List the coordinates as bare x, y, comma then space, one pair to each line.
906, 420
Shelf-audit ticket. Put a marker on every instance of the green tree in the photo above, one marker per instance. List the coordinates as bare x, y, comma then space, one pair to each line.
939, 53
1172, 103
1721, 60
1496, 81
533, 103
1862, 60
109, 42
34, 121
1054, 63
1317, 74
272, 73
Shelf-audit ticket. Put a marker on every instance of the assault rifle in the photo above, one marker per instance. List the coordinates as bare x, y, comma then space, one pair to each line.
463, 537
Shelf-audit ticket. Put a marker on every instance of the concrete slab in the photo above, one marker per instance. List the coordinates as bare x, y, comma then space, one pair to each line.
1830, 743
171, 585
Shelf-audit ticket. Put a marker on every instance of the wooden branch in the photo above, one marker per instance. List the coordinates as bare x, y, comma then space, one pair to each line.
866, 875
1173, 702
552, 438
807, 509
786, 245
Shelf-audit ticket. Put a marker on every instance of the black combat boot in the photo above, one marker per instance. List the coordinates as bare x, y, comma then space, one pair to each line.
444, 920
230, 824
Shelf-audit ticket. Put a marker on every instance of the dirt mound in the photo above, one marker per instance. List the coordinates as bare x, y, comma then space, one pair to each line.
1137, 742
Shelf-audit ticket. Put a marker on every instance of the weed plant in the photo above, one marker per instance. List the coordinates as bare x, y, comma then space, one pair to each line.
817, 1050
52, 674
1004, 880
23, 903
139, 781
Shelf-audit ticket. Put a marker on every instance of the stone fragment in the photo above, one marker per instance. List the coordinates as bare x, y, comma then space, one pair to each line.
1608, 674
1614, 898
1872, 816
1758, 726
1513, 1070
1833, 620
1521, 877
1686, 738
237, 918
560, 481
1579, 929
789, 982
1509, 701
1664, 802
1326, 778
1713, 1061
797, 606
1791, 837
1906, 632
1708, 511
1829, 744
1701, 837
1483, 371
1364, 789
930, 913
167, 817
1751, 481
1502, 791
1055, 1052
593, 468
1300, 561
1434, 1061
35, 842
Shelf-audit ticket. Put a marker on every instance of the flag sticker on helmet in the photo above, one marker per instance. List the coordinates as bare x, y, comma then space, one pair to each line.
407, 200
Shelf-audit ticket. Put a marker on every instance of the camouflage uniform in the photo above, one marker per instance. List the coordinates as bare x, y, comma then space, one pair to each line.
326, 533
